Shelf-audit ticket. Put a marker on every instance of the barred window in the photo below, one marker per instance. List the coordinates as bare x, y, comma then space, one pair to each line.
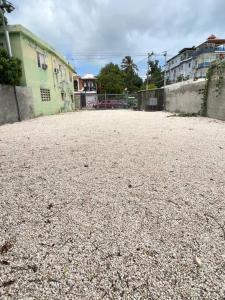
45, 95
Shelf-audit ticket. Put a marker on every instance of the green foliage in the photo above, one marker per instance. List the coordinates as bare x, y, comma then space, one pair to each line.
180, 78
132, 81
111, 79
152, 86
128, 65
10, 69
217, 68
182, 114
155, 74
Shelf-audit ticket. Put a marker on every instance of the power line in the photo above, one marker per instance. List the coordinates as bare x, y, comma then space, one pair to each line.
105, 55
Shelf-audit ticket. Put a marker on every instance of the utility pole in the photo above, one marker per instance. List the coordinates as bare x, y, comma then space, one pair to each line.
6, 6
164, 84
165, 55
149, 59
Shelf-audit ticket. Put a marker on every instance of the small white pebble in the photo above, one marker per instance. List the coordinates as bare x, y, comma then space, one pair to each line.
198, 261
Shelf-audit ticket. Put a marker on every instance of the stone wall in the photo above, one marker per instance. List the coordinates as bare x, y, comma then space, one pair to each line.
9, 112
185, 97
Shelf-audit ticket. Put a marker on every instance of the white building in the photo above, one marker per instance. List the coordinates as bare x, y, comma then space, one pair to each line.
180, 67
193, 63
85, 90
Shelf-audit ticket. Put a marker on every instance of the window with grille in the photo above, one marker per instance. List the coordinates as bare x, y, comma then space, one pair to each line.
45, 95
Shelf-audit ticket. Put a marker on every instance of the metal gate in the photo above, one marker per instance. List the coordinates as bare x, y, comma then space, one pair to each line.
116, 101
83, 100
151, 100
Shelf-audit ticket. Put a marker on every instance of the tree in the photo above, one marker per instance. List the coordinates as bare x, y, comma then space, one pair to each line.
10, 69
155, 74
128, 65
132, 81
111, 79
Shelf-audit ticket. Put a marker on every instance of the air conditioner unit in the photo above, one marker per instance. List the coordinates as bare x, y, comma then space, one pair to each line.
56, 71
44, 66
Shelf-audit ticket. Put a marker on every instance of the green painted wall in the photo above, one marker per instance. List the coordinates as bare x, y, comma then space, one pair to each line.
25, 46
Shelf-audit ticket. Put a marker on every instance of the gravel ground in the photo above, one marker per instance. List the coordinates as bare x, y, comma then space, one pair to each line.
112, 205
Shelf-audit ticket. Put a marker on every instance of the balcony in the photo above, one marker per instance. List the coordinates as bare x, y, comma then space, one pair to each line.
204, 51
220, 49
204, 65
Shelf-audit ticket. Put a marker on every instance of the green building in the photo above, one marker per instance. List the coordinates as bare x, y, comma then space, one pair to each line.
45, 71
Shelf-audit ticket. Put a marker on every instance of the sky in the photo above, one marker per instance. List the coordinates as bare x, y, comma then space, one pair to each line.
91, 33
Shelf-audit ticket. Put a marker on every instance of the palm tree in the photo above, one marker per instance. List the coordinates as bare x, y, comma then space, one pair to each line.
128, 65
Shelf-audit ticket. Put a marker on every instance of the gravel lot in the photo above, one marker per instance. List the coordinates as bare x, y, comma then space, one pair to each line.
112, 205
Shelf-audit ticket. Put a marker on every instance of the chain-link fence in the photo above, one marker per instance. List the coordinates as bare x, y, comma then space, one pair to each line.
112, 101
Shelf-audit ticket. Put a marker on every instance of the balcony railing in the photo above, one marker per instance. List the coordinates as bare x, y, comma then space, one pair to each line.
204, 65
203, 51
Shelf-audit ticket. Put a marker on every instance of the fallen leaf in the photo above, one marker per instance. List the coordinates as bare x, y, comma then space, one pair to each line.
7, 283
50, 206
6, 247
4, 263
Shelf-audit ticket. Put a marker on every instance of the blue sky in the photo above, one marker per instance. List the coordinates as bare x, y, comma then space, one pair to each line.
85, 29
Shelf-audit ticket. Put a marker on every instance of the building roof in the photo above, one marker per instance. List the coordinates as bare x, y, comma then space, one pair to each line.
88, 76
187, 49
212, 37
21, 29
182, 51
173, 57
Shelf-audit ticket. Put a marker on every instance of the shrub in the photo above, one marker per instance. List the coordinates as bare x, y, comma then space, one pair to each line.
10, 69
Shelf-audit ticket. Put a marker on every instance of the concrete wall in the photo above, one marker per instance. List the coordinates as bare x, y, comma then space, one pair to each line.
216, 97
185, 96
8, 107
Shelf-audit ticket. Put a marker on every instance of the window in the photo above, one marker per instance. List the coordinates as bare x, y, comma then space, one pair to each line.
45, 95
75, 85
63, 95
62, 71
40, 59
71, 76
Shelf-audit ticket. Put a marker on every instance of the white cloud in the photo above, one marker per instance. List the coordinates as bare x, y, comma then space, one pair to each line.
129, 26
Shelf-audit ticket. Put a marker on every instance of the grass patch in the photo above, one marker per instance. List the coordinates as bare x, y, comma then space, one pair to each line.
181, 114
